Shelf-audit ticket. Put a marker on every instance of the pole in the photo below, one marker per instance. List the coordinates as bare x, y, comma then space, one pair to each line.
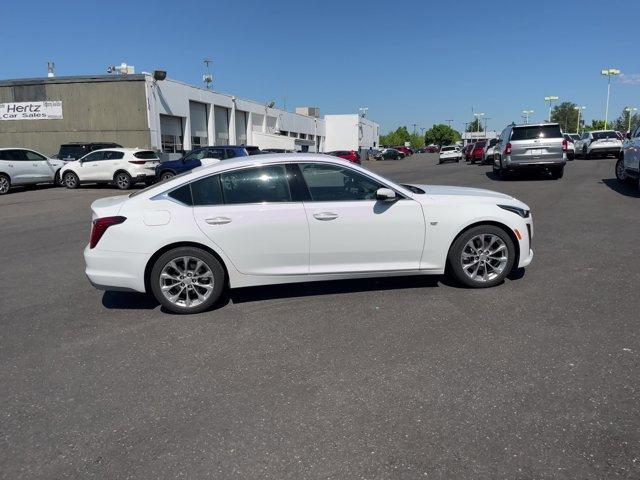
606, 110
549, 112
629, 129
578, 123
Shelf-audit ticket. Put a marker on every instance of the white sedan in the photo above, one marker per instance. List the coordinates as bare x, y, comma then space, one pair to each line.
296, 218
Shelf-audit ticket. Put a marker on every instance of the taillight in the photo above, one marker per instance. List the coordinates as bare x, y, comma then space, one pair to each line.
565, 145
138, 162
507, 149
100, 225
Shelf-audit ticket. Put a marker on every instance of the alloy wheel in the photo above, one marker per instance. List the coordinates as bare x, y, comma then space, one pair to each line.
70, 180
186, 281
484, 257
4, 185
621, 173
166, 176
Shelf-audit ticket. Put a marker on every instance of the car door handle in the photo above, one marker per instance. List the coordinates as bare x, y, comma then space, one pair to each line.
324, 216
218, 220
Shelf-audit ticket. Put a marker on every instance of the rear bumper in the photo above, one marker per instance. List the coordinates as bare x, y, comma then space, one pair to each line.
535, 164
604, 150
115, 270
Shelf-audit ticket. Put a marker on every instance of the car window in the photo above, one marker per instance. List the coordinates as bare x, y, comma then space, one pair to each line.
110, 155
333, 183
603, 135
182, 194
146, 155
196, 154
207, 191
19, 155
255, 185
71, 151
536, 131
93, 157
33, 156
214, 153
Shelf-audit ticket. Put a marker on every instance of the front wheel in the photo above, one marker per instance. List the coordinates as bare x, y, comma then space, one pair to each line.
5, 184
187, 280
482, 256
123, 180
166, 175
71, 180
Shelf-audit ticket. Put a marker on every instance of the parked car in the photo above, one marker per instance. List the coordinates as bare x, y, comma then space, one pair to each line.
449, 153
433, 149
598, 144
197, 158
405, 150
477, 152
124, 167
282, 219
276, 150
389, 154
531, 147
571, 147
489, 149
251, 150
75, 150
21, 166
350, 155
467, 151
628, 164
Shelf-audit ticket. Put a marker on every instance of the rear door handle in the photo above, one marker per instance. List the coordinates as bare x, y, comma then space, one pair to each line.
218, 220
324, 216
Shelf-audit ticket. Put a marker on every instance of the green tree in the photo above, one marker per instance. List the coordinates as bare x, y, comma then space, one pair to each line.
566, 115
595, 125
622, 122
441, 135
395, 138
475, 126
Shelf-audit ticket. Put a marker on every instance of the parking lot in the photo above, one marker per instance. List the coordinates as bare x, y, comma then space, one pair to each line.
396, 378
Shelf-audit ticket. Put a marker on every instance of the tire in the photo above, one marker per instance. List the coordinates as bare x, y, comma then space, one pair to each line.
167, 175
5, 184
178, 276
57, 181
557, 173
71, 180
483, 238
123, 180
621, 174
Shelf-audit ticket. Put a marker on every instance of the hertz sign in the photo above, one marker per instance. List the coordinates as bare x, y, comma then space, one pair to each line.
49, 110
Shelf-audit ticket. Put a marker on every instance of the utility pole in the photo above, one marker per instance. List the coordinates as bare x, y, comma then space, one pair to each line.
414, 128
485, 126
550, 99
608, 72
449, 122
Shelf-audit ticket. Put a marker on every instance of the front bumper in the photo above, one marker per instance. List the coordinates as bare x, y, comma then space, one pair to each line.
115, 270
525, 261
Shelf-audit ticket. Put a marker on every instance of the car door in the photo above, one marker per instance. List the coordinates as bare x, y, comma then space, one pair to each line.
110, 162
251, 215
351, 231
43, 170
19, 167
88, 168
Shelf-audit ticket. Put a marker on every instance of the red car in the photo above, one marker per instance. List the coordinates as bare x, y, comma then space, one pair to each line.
406, 150
477, 152
433, 149
350, 155
467, 151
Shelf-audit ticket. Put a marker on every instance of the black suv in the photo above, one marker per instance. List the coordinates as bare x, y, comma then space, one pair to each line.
76, 150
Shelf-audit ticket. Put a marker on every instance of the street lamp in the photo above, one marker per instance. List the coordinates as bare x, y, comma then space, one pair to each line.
608, 72
364, 111
579, 109
478, 115
525, 115
630, 109
550, 99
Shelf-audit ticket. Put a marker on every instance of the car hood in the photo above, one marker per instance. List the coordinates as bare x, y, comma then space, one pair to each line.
472, 194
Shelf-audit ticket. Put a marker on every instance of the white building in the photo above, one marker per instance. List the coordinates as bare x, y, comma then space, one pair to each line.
351, 132
471, 137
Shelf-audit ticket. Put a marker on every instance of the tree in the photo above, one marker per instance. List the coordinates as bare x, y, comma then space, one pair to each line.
621, 123
475, 126
566, 115
441, 135
595, 125
400, 136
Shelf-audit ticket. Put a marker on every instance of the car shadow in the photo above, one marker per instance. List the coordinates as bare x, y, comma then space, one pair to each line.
518, 176
128, 301
335, 287
621, 188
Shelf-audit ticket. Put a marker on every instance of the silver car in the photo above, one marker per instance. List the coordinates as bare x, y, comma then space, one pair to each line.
531, 147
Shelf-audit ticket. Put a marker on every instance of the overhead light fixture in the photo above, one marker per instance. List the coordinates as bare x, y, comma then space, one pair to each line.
159, 75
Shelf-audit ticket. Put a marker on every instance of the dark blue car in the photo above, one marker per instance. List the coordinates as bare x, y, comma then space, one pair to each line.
193, 159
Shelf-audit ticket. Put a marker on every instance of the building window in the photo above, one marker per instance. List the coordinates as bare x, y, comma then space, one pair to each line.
221, 115
284, 132
302, 135
171, 144
241, 127
171, 133
293, 134
199, 116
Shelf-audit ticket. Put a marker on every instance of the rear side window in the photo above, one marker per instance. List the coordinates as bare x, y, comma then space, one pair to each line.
536, 131
256, 185
113, 155
207, 191
146, 155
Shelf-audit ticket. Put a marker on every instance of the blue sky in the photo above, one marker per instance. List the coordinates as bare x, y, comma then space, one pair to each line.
409, 62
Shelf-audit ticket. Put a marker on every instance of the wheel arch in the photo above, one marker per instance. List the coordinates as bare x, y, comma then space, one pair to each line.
120, 170
152, 260
502, 226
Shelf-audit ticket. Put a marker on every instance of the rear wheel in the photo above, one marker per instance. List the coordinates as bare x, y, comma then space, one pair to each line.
123, 180
5, 184
557, 173
187, 280
482, 256
71, 180
167, 175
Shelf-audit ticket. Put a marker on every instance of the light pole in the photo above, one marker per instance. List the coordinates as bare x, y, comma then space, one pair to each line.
608, 72
525, 115
414, 128
466, 127
485, 126
364, 111
478, 115
629, 110
550, 99
579, 109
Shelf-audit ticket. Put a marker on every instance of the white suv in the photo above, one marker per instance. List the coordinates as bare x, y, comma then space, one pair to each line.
122, 166
450, 152
20, 166
599, 143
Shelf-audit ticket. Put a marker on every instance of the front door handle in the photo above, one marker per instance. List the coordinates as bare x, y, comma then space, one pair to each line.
324, 216
218, 220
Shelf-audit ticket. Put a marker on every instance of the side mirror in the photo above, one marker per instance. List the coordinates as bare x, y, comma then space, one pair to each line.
385, 194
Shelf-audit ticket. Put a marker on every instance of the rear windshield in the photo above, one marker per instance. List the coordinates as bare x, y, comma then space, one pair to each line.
536, 131
146, 155
603, 135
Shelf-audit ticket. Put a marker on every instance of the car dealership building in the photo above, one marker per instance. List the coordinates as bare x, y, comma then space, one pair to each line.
166, 115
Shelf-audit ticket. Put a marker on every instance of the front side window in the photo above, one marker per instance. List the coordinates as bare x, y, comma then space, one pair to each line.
255, 185
33, 156
334, 183
93, 157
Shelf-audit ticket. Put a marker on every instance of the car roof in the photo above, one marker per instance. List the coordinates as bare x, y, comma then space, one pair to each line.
123, 149
602, 131
89, 143
543, 124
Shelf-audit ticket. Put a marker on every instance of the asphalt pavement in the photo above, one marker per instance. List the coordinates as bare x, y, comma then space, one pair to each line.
372, 379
